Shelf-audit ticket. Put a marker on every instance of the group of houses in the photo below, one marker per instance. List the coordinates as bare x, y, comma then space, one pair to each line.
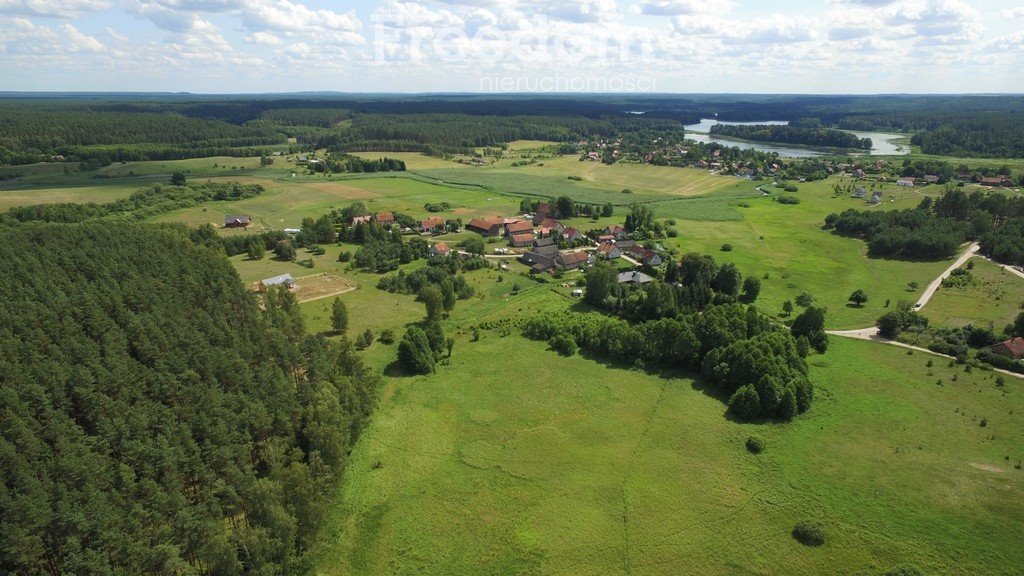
544, 256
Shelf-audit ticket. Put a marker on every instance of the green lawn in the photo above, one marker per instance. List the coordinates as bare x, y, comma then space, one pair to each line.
514, 460
994, 296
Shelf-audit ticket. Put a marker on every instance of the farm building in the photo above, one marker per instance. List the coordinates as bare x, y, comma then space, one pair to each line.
521, 239
236, 221
573, 260
433, 225
283, 279
907, 181
519, 227
996, 181
487, 226
1013, 348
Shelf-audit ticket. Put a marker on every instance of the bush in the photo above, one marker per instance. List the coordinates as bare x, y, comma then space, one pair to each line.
726, 247
809, 533
387, 336
787, 199
344, 256
790, 188
755, 445
564, 344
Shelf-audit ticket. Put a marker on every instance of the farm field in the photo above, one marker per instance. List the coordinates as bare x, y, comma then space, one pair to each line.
784, 242
994, 297
514, 460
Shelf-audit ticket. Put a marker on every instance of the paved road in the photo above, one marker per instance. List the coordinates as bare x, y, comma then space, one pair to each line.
930, 290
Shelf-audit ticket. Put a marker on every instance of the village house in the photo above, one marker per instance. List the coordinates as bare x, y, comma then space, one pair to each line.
860, 192
285, 280
542, 256
1013, 349
550, 226
858, 173
572, 235
651, 258
876, 197
385, 219
906, 181
606, 238
931, 179
364, 219
432, 225
440, 249
608, 250
487, 226
616, 231
996, 181
573, 260
633, 277
543, 211
237, 221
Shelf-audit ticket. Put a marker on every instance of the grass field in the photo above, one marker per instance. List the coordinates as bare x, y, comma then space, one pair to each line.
513, 460
995, 297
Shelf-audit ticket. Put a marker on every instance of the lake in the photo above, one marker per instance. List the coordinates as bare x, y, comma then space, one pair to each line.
882, 143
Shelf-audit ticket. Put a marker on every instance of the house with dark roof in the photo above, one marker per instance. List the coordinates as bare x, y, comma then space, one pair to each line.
634, 277
1013, 349
236, 221
996, 181
545, 246
432, 225
487, 226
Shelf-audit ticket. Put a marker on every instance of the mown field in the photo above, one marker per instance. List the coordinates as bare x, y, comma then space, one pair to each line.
994, 297
513, 460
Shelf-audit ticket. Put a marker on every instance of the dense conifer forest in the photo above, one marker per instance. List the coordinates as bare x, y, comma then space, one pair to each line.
154, 419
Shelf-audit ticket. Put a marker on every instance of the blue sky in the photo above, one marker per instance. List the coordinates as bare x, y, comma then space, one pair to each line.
216, 46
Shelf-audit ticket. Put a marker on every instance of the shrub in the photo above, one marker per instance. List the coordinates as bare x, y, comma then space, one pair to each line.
787, 199
809, 533
564, 344
726, 247
790, 188
387, 336
344, 256
755, 445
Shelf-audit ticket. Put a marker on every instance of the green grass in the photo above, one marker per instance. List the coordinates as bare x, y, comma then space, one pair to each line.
514, 460
994, 297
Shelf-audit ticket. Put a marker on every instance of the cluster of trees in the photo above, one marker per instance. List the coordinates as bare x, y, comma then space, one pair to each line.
564, 207
386, 255
441, 272
144, 203
422, 348
1006, 243
155, 419
934, 230
781, 134
355, 164
738, 349
694, 283
982, 134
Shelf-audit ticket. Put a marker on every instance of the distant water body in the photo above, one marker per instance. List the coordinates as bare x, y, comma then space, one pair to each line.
882, 143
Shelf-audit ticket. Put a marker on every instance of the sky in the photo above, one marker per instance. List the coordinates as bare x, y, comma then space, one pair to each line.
494, 46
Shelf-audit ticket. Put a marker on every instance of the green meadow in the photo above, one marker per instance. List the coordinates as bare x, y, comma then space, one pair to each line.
993, 297
514, 460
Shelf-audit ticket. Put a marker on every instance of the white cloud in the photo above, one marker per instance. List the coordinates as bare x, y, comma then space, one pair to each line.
1012, 13
264, 38
81, 42
52, 8
681, 7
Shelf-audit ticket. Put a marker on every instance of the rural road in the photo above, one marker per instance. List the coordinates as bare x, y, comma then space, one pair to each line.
930, 290
871, 333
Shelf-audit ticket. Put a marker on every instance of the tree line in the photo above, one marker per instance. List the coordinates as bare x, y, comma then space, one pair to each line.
155, 419
826, 137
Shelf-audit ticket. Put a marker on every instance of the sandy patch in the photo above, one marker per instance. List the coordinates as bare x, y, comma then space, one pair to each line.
986, 467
